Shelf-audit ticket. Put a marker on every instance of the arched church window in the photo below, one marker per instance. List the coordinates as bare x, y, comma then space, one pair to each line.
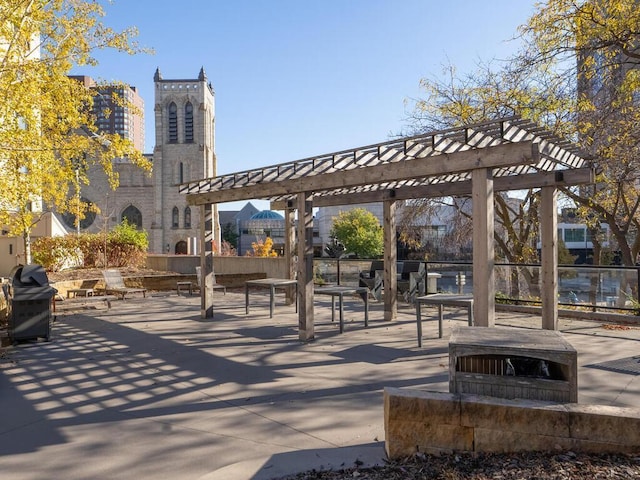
173, 123
187, 217
188, 123
181, 248
133, 216
175, 218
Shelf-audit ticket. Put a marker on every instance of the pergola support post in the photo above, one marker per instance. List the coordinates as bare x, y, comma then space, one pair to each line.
289, 243
206, 261
390, 259
305, 267
483, 247
549, 237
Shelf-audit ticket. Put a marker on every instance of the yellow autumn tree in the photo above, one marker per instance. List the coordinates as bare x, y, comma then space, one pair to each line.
263, 248
600, 39
47, 135
578, 74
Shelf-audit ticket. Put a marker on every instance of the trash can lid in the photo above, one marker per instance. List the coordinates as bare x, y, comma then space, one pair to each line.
34, 273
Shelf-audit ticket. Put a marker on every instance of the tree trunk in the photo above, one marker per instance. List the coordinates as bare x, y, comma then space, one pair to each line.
26, 238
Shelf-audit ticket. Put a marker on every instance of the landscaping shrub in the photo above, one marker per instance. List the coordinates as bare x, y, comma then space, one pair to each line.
57, 253
125, 246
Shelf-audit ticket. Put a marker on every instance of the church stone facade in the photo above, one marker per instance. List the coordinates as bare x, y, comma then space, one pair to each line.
184, 151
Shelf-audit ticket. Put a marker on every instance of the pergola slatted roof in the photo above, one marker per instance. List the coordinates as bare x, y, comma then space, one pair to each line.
475, 160
385, 166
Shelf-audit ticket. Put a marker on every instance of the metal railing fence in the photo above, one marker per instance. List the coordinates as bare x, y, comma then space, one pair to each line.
593, 287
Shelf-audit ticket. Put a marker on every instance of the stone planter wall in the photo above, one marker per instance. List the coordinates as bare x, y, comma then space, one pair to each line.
438, 422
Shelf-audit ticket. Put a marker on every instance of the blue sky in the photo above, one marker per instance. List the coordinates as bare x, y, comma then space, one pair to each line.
294, 79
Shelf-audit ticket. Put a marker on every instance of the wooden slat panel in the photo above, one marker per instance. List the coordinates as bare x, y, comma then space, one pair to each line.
501, 155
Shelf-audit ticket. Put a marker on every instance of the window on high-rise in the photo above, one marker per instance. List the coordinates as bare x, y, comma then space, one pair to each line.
173, 123
188, 123
574, 235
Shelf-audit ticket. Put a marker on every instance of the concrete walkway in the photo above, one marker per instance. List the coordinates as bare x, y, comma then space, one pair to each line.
150, 390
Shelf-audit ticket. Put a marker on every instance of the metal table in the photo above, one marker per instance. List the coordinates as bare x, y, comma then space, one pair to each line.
340, 292
441, 300
271, 284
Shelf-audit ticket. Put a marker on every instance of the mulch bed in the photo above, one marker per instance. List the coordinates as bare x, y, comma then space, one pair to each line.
521, 466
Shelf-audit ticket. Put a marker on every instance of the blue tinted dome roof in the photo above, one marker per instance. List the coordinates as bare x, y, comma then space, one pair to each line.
267, 215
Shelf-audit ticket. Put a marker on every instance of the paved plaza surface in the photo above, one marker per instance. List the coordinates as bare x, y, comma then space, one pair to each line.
150, 390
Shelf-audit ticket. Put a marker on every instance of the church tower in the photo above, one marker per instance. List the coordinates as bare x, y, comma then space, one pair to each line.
184, 151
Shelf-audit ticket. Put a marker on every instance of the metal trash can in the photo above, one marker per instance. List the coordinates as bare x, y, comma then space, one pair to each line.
29, 303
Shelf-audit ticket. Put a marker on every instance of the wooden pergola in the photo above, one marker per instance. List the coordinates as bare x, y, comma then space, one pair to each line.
476, 160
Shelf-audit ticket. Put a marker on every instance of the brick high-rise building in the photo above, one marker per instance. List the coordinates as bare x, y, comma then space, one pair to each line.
112, 116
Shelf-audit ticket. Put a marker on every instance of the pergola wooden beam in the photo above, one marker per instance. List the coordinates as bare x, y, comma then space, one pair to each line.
558, 178
504, 155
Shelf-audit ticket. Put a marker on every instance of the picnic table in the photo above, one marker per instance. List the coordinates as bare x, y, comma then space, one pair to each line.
272, 284
340, 292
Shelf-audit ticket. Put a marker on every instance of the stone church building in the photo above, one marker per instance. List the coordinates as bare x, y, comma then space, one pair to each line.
184, 151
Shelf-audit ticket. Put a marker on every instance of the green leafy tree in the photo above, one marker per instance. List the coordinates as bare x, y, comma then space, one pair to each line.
360, 232
230, 234
47, 134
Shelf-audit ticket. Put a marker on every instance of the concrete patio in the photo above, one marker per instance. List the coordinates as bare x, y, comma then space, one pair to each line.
150, 390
